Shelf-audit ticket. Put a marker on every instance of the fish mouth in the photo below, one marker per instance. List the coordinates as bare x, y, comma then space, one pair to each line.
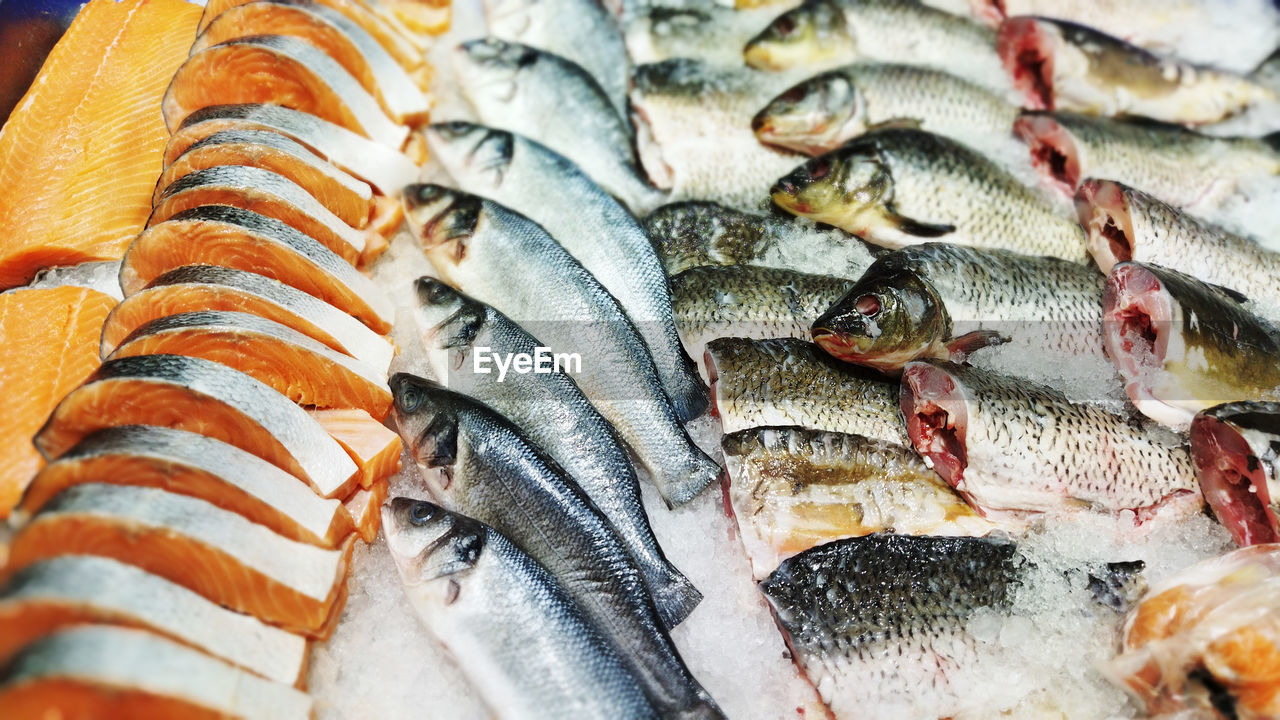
937, 417
1026, 48
838, 345
1233, 482
1103, 211
1137, 313
1054, 152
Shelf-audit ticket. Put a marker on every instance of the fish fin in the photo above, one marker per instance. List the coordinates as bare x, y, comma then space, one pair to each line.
897, 122
963, 346
675, 598
690, 396
916, 228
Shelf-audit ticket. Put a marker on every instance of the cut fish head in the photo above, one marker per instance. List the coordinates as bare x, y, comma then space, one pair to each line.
1103, 209
1055, 154
849, 188
474, 155
443, 221
429, 543
936, 411
811, 35
1137, 326
815, 116
1236, 475
1027, 48
890, 317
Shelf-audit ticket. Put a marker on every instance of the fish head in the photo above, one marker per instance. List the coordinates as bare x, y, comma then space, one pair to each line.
844, 187
433, 548
443, 220
475, 155
815, 116
448, 322
811, 35
890, 317
492, 69
426, 417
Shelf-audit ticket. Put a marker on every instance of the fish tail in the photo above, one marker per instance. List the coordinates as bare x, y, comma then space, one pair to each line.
682, 483
687, 393
674, 596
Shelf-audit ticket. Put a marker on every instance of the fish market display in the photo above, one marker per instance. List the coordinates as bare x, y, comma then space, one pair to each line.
471, 242
534, 181
47, 343
1234, 448
1183, 346
900, 187
498, 609
1204, 641
480, 464
946, 302
1007, 445
554, 413
825, 111
1061, 65
692, 234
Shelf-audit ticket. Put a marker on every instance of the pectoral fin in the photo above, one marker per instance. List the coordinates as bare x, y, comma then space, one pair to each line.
963, 346
898, 122
915, 228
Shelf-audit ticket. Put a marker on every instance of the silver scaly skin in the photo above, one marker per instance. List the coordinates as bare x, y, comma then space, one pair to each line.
475, 462
534, 181
692, 234
502, 615
555, 414
784, 381
899, 187
476, 244
527, 91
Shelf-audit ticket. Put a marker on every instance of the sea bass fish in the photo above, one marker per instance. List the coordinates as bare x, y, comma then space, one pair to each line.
947, 301
900, 187
784, 381
555, 414
825, 111
700, 29
523, 90
474, 244
1008, 445
749, 302
540, 184
822, 34
677, 104
502, 615
793, 488
1236, 448
476, 462
1182, 345
1125, 224
692, 234
1059, 65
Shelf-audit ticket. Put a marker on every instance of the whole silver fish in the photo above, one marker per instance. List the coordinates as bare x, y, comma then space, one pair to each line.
527, 91
692, 234
677, 104
783, 381
749, 302
476, 244
1125, 223
823, 34
823, 112
479, 464
1009, 445
1236, 449
900, 187
553, 412
506, 619
580, 31
534, 181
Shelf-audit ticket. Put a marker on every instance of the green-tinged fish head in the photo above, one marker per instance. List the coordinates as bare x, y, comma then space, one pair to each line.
474, 155
429, 543
813, 34
848, 189
426, 417
814, 117
443, 220
492, 69
888, 318
448, 322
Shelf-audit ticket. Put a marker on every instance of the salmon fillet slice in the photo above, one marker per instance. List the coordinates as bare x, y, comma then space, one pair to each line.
72, 590
358, 52
189, 464
351, 200
366, 507
374, 448
204, 397
386, 169
225, 236
89, 121
393, 39
208, 287
213, 552
98, 671
282, 70
424, 17
298, 367
46, 349
264, 192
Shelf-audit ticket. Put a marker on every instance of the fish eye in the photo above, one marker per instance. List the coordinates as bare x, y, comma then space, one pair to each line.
420, 513
409, 399
437, 292
795, 94
819, 169
785, 25
868, 305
